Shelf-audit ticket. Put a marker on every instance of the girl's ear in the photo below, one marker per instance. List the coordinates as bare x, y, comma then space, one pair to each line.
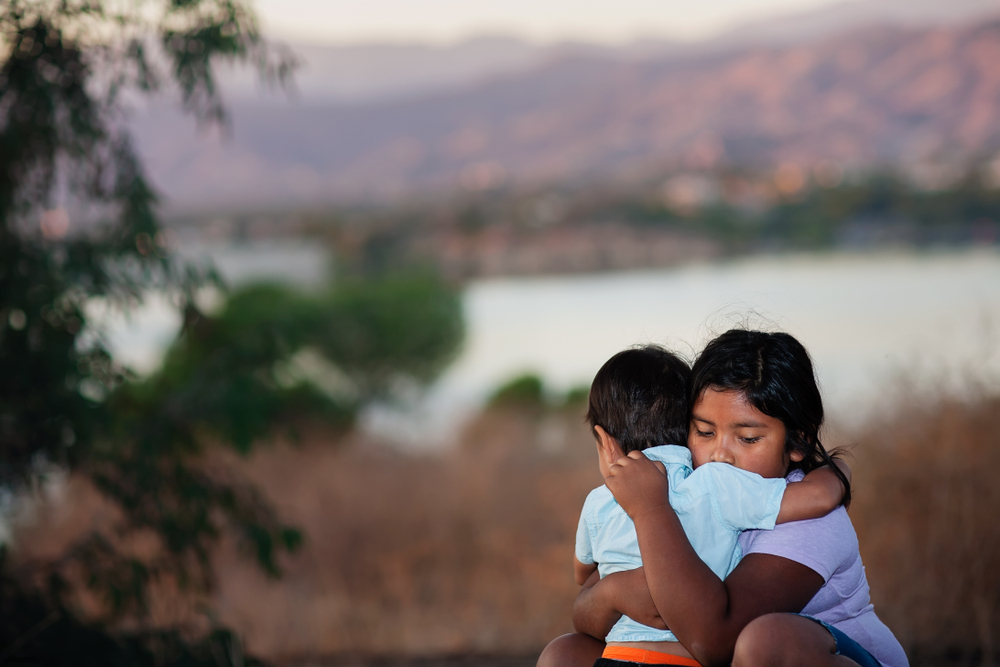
608, 446
797, 454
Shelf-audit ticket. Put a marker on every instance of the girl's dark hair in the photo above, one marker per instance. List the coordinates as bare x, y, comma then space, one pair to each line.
774, 372
640, 398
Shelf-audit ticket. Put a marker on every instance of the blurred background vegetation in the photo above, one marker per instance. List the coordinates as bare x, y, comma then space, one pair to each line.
233, 378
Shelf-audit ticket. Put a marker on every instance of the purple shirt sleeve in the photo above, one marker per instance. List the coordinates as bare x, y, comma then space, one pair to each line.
823, 545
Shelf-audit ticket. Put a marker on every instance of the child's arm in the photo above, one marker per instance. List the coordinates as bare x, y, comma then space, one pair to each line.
584, 549
817, 495
582, 571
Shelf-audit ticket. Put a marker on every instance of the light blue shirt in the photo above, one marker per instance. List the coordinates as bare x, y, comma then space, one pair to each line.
714, 504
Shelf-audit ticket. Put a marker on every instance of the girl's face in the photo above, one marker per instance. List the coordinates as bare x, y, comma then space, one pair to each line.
726, 428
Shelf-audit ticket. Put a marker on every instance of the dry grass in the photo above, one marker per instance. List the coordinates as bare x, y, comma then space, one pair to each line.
458, 553
470, 552
465, 552
927, 512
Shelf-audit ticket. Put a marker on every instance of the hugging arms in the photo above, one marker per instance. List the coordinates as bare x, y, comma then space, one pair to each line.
677, 590
799, 595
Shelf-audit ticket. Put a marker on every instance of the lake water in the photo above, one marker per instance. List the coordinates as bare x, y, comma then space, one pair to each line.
875, 325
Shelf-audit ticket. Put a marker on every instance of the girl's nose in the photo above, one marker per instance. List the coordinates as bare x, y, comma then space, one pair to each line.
722, 454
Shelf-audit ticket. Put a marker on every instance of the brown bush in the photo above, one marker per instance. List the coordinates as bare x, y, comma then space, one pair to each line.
927, 512
468, 551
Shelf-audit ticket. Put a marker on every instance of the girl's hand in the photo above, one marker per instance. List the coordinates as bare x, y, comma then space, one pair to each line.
637, 484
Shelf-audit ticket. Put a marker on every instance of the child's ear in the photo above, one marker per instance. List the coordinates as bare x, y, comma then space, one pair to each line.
607, 445
797, 454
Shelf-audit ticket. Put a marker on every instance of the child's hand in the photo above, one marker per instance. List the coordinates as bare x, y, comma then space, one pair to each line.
637, 484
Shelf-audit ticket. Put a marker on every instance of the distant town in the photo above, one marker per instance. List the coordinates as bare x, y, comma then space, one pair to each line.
677, 219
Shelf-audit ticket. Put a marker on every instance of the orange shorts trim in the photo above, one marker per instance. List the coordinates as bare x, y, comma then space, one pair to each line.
626, 654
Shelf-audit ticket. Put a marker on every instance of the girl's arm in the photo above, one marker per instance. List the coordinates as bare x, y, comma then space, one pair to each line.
706, 614
601, 602
582, 571
817, 495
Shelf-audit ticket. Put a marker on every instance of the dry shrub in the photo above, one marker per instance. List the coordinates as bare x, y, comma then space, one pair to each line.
468, 551
47, 535
927, 512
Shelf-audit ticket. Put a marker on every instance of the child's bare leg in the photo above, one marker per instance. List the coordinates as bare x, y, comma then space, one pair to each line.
786, 640
572, 650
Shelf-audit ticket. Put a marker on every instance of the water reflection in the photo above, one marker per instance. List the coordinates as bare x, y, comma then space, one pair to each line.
870, 322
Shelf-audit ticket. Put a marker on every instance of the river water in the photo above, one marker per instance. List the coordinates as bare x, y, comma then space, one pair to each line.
876, 325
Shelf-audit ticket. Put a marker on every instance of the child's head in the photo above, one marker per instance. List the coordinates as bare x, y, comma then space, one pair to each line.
639, 397
775, 375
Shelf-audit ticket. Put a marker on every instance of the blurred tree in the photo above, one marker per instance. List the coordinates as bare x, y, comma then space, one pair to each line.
524, 391
66, 69
271, 357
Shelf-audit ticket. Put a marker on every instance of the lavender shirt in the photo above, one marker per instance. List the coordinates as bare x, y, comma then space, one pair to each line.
829, 546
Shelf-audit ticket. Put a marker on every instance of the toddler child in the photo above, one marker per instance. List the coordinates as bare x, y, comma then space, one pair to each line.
638, 403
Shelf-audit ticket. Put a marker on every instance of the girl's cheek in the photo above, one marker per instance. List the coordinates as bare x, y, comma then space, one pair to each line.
697, 458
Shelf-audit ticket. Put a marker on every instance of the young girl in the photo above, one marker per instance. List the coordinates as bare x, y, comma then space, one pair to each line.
799, 596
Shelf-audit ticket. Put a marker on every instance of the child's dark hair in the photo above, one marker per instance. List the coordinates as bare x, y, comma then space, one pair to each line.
640, 398
774, 372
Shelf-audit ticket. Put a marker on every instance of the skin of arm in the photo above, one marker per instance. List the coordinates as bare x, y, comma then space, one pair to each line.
582, 571
706, 614
818, 494
601, 602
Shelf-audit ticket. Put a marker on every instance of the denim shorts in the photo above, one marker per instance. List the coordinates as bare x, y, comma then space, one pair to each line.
847, 647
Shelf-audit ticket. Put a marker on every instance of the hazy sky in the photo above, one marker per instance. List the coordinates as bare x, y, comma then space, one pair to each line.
339, 21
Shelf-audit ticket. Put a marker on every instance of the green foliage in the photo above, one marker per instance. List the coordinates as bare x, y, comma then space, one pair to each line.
577, 395
381, 331
231, 379
523, 390
61, 139
64, 66
235, 378
882, 208
529, 391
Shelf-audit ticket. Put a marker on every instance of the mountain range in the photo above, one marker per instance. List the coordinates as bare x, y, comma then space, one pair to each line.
856, 85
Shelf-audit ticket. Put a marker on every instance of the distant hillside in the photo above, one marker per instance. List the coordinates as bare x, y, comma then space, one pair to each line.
853, 14
370, 71
926, 98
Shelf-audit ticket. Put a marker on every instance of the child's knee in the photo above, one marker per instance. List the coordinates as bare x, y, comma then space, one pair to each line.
572, 650
776, 640
764, 641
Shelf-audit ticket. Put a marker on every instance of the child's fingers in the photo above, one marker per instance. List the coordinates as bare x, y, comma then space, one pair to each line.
619, 468
619, 465
626, 464
636, 483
